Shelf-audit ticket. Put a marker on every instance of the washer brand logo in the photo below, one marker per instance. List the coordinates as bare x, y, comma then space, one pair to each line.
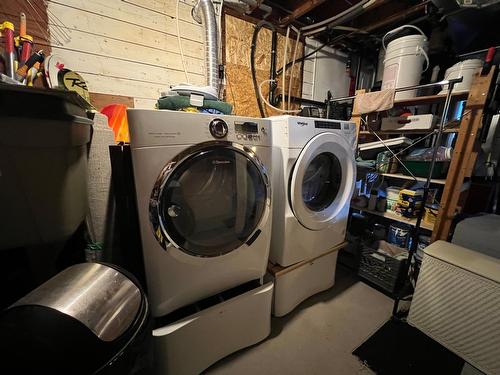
299, 123
216, 162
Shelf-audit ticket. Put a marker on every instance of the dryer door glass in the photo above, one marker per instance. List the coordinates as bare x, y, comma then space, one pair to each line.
322, 180
213, 201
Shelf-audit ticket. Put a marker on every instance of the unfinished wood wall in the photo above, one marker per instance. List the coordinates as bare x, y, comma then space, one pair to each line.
239, 86
121, 47
129, 47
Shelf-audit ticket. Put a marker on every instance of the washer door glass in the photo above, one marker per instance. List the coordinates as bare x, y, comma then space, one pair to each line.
321, 182
213, 201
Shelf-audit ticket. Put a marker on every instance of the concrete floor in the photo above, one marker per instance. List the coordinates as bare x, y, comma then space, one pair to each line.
319, 336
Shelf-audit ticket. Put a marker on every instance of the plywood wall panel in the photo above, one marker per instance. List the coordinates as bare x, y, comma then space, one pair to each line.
239, 88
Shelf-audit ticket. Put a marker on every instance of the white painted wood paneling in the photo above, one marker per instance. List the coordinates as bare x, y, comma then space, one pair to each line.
144, 103
324, 71
128, 47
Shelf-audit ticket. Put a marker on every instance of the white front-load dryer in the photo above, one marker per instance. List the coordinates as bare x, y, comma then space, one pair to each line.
203, 194
314, 174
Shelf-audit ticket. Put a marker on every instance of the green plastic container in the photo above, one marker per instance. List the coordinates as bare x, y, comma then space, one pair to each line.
421, 168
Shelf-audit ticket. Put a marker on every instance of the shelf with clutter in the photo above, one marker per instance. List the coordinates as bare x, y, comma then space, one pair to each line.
414, 162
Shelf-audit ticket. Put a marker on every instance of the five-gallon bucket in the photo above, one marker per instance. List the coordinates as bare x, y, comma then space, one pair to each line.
465, 69
403, 62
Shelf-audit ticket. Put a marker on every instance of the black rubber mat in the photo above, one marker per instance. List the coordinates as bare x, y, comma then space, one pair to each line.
398, 348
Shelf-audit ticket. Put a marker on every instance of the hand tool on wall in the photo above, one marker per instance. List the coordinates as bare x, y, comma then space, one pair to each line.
26, 44
33, 74
22, 25
7, 30
488, 61
23, 70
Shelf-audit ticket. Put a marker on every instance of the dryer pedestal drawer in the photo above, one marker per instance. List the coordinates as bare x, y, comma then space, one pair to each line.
192, 344
295, 283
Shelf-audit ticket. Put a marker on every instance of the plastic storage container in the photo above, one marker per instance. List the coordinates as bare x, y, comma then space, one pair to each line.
403, 62
422, 168
43, 163
465, 69
381, 269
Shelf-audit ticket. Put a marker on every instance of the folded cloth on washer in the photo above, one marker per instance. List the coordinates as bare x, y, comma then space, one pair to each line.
374, 101
178, 102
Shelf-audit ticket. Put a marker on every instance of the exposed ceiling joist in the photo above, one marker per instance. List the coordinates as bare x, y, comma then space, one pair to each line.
299, 11
398, 17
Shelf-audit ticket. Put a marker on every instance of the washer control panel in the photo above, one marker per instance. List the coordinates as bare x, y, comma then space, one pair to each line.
218, 128
247, 131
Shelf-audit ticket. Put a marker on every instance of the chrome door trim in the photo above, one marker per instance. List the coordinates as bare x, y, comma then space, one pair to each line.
155, 218
318, 220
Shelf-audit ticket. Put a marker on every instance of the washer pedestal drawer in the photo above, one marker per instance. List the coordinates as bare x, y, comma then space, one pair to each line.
191, 344
295, 283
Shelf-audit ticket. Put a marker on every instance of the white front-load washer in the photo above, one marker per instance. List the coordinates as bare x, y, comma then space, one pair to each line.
314, 174
203, 194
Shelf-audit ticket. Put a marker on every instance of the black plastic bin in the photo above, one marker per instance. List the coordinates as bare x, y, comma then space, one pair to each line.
381, 269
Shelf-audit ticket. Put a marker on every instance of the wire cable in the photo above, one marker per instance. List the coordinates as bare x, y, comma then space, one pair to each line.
252, 62
291, 70
283, 79
303, 58
181, 52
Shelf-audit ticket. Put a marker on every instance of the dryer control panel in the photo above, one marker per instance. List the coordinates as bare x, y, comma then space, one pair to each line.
247, 130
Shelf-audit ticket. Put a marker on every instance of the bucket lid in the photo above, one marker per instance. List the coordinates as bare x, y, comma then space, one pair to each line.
409, 39
466, 64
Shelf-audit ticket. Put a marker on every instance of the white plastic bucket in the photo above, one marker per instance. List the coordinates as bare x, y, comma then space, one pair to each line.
465, 69
403, 62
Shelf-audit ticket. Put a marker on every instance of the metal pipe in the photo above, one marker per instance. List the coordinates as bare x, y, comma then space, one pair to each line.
346, 18
337, 16
416, 230
296, 99
204, 12
476, 52
358, 71
406, 88
258, 4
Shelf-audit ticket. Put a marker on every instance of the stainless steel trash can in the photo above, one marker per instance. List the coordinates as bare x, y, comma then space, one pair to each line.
89, 319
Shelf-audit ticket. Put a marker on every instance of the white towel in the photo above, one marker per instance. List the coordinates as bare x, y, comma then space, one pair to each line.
374, 101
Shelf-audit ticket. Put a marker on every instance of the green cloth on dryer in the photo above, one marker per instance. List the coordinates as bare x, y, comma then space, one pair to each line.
178, 102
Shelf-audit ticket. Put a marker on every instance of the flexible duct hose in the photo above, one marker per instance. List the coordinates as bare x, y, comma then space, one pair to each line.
204, 12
